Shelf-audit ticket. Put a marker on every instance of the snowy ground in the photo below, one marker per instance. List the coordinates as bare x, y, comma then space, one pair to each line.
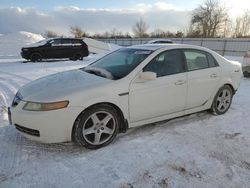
200, 150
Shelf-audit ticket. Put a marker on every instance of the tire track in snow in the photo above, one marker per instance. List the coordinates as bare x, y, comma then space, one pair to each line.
7, 92
9, 84
11, 75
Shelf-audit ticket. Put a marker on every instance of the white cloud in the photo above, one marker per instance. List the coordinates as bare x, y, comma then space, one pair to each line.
164, 6
236, 8
158, 15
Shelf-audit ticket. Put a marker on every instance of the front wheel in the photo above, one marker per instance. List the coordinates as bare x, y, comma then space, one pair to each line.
97, 127
36, 57
222, 100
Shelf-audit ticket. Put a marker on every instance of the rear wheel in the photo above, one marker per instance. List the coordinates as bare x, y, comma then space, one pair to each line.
246, 74
222, 100
36, 57
76, 57
97, 127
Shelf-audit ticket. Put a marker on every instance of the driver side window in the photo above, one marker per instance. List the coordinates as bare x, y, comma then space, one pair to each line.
167, 63
56, 42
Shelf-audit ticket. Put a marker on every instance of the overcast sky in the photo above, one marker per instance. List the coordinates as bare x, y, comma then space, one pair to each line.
98, 16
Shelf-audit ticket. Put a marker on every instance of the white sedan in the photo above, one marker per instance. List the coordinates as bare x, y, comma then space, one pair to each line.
129, 87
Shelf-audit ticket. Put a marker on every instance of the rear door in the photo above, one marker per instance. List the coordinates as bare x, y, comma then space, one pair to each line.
78, 47
67, 48
203, 75
55, 50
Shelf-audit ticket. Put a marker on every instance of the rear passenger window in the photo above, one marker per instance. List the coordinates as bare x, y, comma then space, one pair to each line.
77, 42
212, 62
196, 60
66, 42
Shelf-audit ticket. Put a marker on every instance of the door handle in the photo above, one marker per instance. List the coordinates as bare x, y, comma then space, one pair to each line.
180, 82
213, 75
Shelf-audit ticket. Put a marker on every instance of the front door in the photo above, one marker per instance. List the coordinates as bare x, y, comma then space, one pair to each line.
164, 95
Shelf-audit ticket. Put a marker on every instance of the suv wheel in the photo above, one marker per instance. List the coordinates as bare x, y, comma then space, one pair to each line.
35, 57
246, 74
76, 57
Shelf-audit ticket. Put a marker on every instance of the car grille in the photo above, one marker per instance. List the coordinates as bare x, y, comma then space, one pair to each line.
27, 130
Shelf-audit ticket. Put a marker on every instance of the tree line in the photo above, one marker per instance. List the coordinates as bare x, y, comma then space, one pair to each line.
209, 20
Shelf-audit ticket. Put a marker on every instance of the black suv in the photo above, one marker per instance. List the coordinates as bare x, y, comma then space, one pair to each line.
74, 49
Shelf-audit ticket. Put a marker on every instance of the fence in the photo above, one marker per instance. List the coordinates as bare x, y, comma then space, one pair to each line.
227, 47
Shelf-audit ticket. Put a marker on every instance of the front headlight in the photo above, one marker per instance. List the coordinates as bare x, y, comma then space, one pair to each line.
35, 106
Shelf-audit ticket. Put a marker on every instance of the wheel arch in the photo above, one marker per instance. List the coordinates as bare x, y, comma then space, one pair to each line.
231, 86
124, 122
37, 53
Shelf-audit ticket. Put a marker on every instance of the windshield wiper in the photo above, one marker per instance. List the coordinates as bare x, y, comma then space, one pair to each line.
99, 72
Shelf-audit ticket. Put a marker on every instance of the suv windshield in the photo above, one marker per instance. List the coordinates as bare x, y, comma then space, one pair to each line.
42, 42
118, 64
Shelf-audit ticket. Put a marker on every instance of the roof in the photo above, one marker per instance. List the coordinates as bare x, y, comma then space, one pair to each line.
154, 41
155, 47
69, 38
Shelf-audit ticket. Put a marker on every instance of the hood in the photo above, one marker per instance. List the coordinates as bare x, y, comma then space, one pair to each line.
59, 86
37, 44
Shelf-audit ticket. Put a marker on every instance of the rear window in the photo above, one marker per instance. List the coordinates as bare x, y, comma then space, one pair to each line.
211, 60
196, 60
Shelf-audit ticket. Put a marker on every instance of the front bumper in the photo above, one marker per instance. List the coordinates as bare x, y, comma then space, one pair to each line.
45, 126
25, 54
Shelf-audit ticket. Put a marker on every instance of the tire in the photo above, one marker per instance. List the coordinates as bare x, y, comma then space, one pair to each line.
76, 57
222, 100
246, 74
96, 127
36, 57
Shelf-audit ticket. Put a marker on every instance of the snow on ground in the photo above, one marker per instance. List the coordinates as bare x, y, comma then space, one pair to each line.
200, 150
11, 44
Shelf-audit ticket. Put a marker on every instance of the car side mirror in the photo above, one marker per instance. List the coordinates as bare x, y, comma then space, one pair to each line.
146, 76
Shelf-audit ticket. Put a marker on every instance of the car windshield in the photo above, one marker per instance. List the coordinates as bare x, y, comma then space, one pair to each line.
42, 42
118, 64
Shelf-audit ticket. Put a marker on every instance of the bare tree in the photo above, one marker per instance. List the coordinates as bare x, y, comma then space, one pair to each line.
77, 32
242, 27
159, 33
140, 28
115, 33
208, 19
50, 34
179, 34
228, 28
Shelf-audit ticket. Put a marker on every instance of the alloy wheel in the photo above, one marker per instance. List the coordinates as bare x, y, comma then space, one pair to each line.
223, 100
99, 127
